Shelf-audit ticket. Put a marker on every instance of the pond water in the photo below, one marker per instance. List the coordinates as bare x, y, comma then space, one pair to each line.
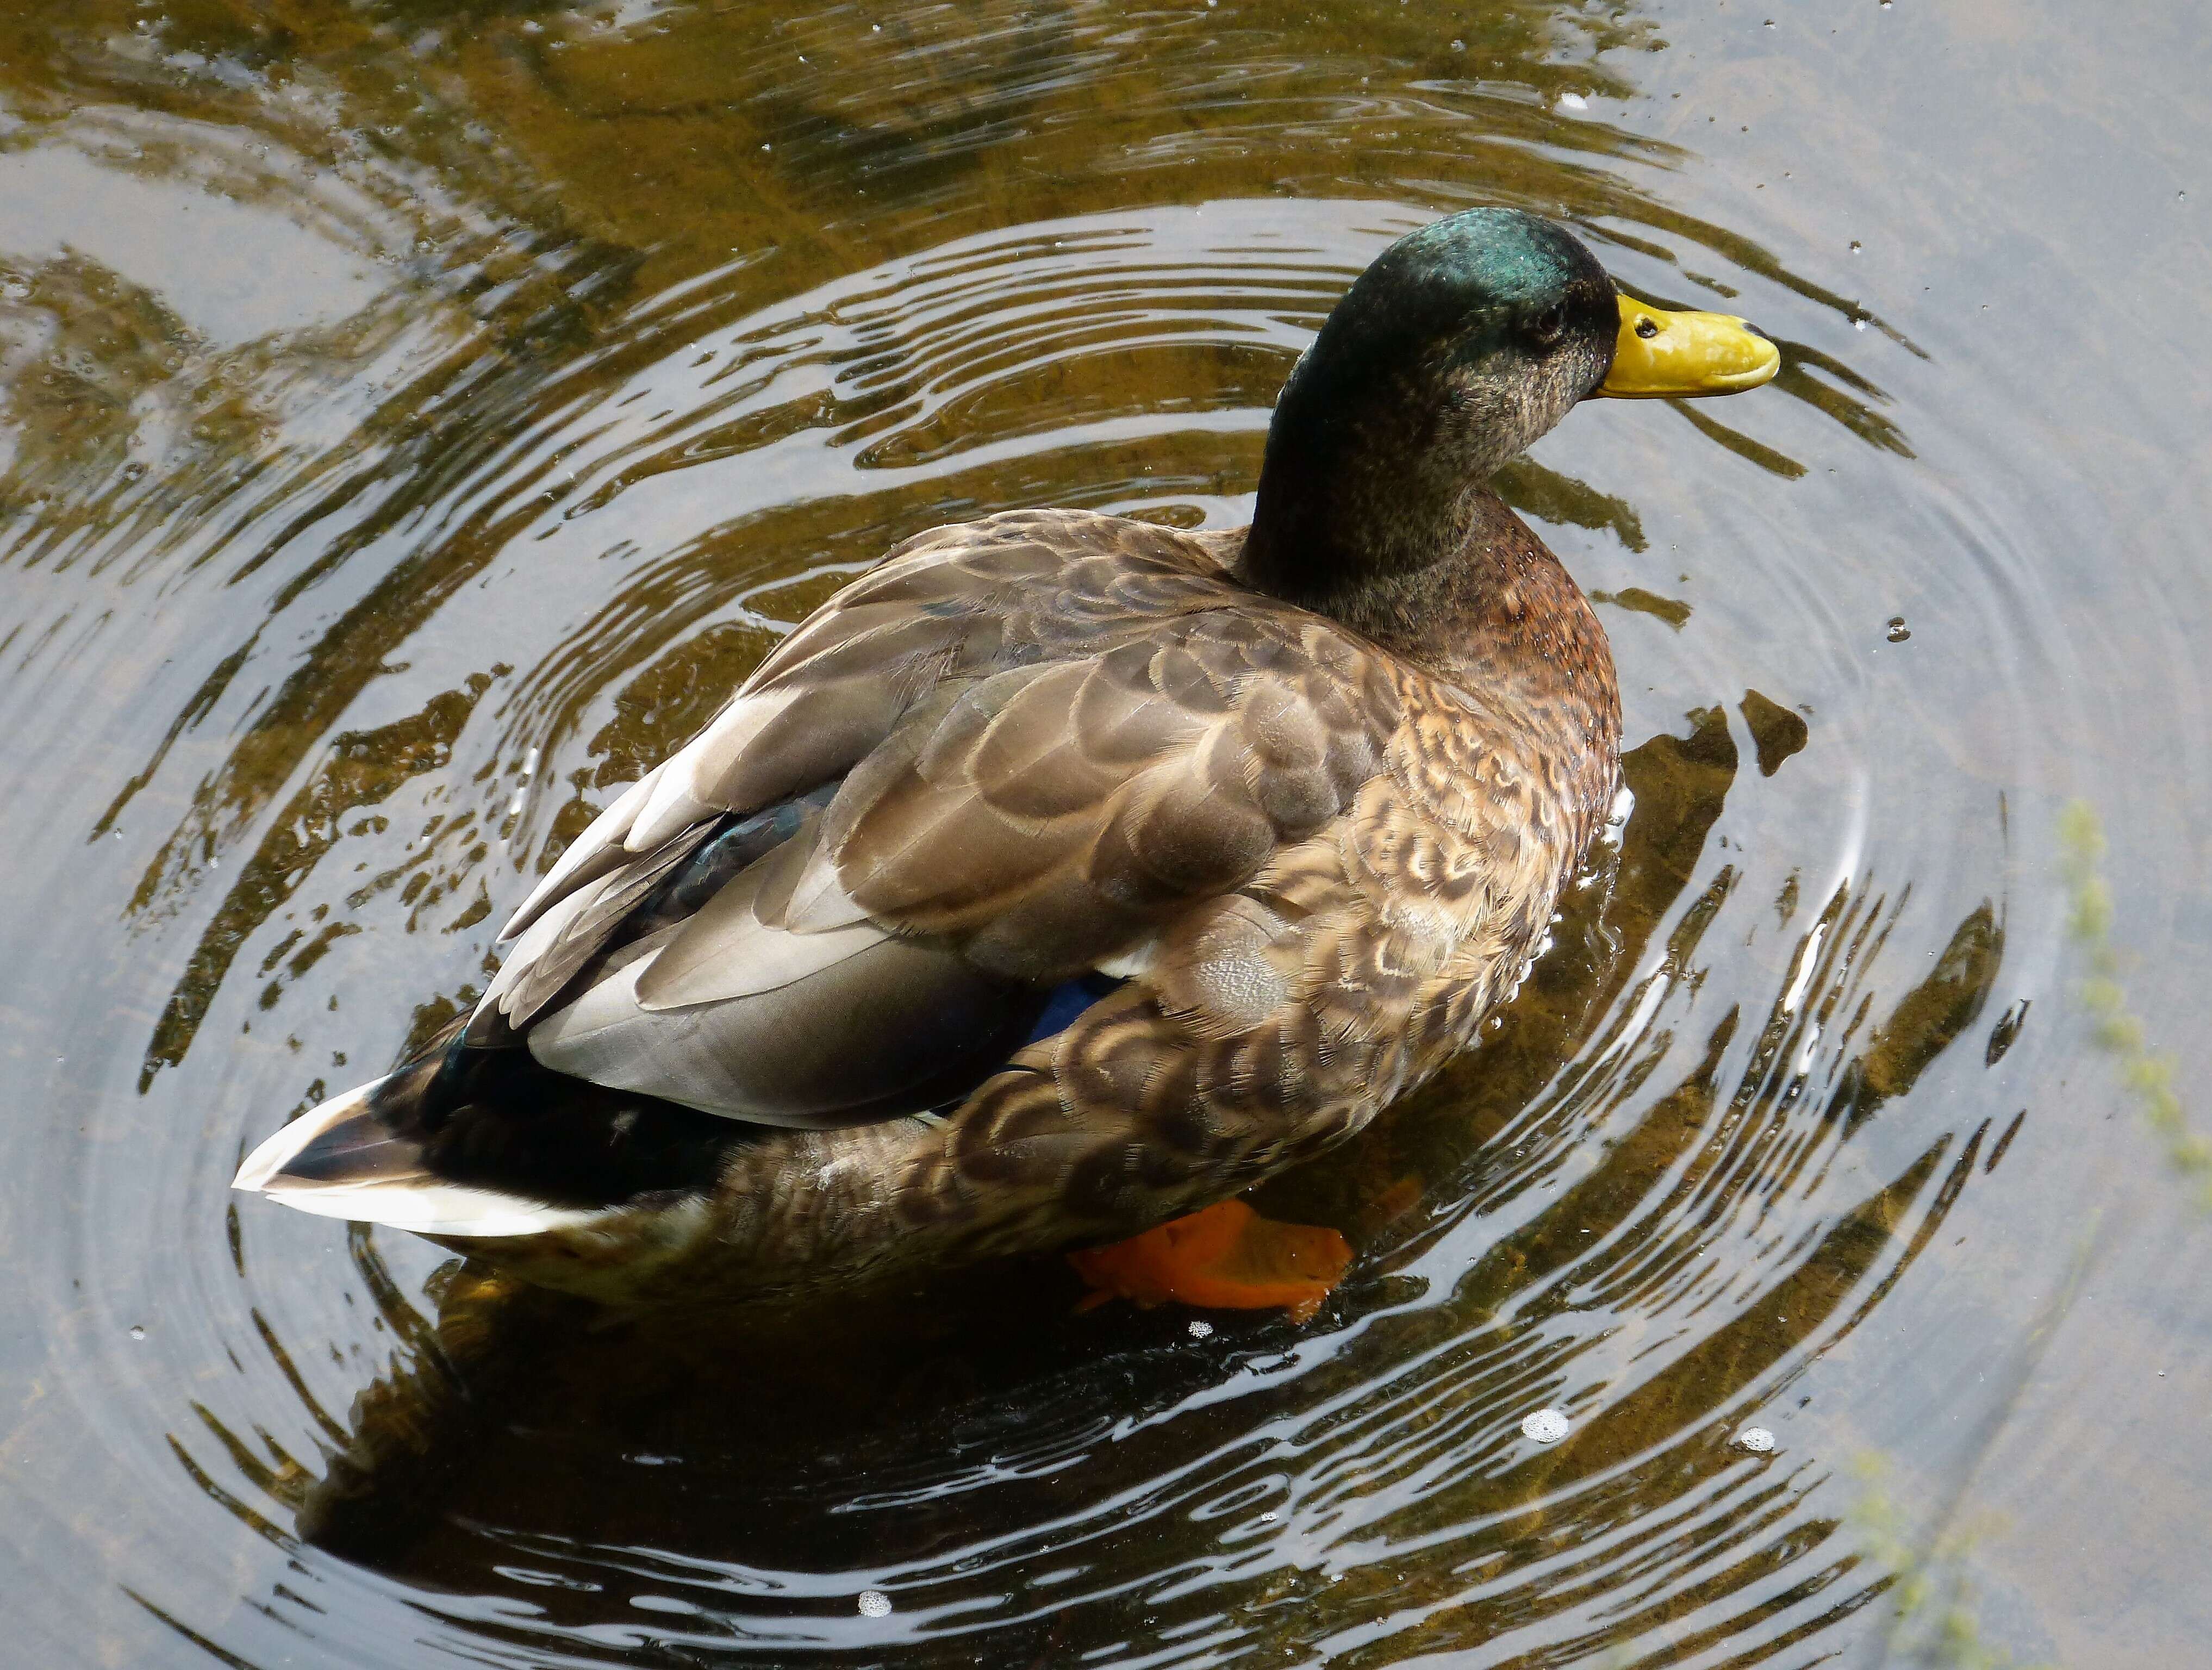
420, 413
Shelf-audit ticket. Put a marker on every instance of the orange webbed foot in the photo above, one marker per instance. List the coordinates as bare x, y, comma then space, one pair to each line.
1224, 1258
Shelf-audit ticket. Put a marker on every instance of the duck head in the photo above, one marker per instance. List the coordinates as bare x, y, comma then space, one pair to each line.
1455, 351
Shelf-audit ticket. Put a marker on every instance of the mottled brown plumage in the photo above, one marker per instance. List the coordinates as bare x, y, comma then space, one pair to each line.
1085, 739
829, 995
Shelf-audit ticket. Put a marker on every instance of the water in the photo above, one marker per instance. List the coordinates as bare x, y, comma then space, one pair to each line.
420, 414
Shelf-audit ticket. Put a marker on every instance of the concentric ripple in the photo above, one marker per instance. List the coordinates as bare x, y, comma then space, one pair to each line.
531, 370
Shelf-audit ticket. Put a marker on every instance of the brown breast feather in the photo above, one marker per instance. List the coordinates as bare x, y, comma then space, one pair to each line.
1279, 1017
1059, 730
1062, 734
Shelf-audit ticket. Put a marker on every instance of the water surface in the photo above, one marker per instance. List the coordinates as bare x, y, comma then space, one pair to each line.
418, 415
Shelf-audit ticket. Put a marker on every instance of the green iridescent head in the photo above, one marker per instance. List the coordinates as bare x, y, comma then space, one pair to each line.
1494, 321
1462, 344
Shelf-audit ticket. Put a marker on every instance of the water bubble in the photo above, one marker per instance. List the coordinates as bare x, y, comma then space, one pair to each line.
1201, 1330
874, 1603
1459, 46
1756, 1439
137, 1331
1899, 632
1546, 1426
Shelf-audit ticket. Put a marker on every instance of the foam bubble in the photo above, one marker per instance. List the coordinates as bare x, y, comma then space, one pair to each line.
1546, 1426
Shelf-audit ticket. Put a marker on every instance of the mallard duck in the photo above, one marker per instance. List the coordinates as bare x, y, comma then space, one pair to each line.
1065, 873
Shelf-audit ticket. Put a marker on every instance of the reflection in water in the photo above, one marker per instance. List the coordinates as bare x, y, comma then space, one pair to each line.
421, 415
901, 1440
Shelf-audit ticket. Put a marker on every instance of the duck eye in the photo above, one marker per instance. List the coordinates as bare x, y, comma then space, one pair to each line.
1551, 324
1647, 328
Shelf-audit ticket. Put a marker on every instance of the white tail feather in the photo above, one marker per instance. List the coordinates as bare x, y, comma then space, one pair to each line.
259, 1173
426, 1205
435, 1208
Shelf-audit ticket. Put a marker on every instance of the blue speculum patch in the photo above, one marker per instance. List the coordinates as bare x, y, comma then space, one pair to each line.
1069, 1000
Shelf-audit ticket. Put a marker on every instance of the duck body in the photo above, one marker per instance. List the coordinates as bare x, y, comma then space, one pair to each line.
1064, 873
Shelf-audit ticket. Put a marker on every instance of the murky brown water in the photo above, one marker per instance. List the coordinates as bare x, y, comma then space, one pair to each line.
418, 414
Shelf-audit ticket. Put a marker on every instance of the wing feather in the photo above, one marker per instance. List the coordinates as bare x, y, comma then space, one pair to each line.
599, 851
887, 1027
735, 945
529, 981
1042, 738
1054, 813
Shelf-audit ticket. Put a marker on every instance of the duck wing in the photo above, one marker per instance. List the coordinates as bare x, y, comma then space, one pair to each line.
947, 608
1002, 760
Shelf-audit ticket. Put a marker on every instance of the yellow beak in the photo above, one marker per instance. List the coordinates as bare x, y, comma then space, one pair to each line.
1672, 356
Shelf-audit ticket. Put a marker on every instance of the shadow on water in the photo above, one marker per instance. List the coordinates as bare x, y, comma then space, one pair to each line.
536, 368
744, 1476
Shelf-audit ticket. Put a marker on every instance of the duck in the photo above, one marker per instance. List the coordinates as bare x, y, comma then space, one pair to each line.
1066, 874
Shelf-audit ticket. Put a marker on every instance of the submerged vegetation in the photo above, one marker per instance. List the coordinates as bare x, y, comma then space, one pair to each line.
2147, 1075
1936, 1623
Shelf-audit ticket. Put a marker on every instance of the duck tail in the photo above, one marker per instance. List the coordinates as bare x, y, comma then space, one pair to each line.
358, 1156
336, 1143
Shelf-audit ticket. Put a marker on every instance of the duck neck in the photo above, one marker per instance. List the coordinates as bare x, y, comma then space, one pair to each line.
1360, 524
1494, 614
1376, 532
1419, 588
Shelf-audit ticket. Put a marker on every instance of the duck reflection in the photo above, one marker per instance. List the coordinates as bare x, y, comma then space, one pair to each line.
524, 1445
514, 227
